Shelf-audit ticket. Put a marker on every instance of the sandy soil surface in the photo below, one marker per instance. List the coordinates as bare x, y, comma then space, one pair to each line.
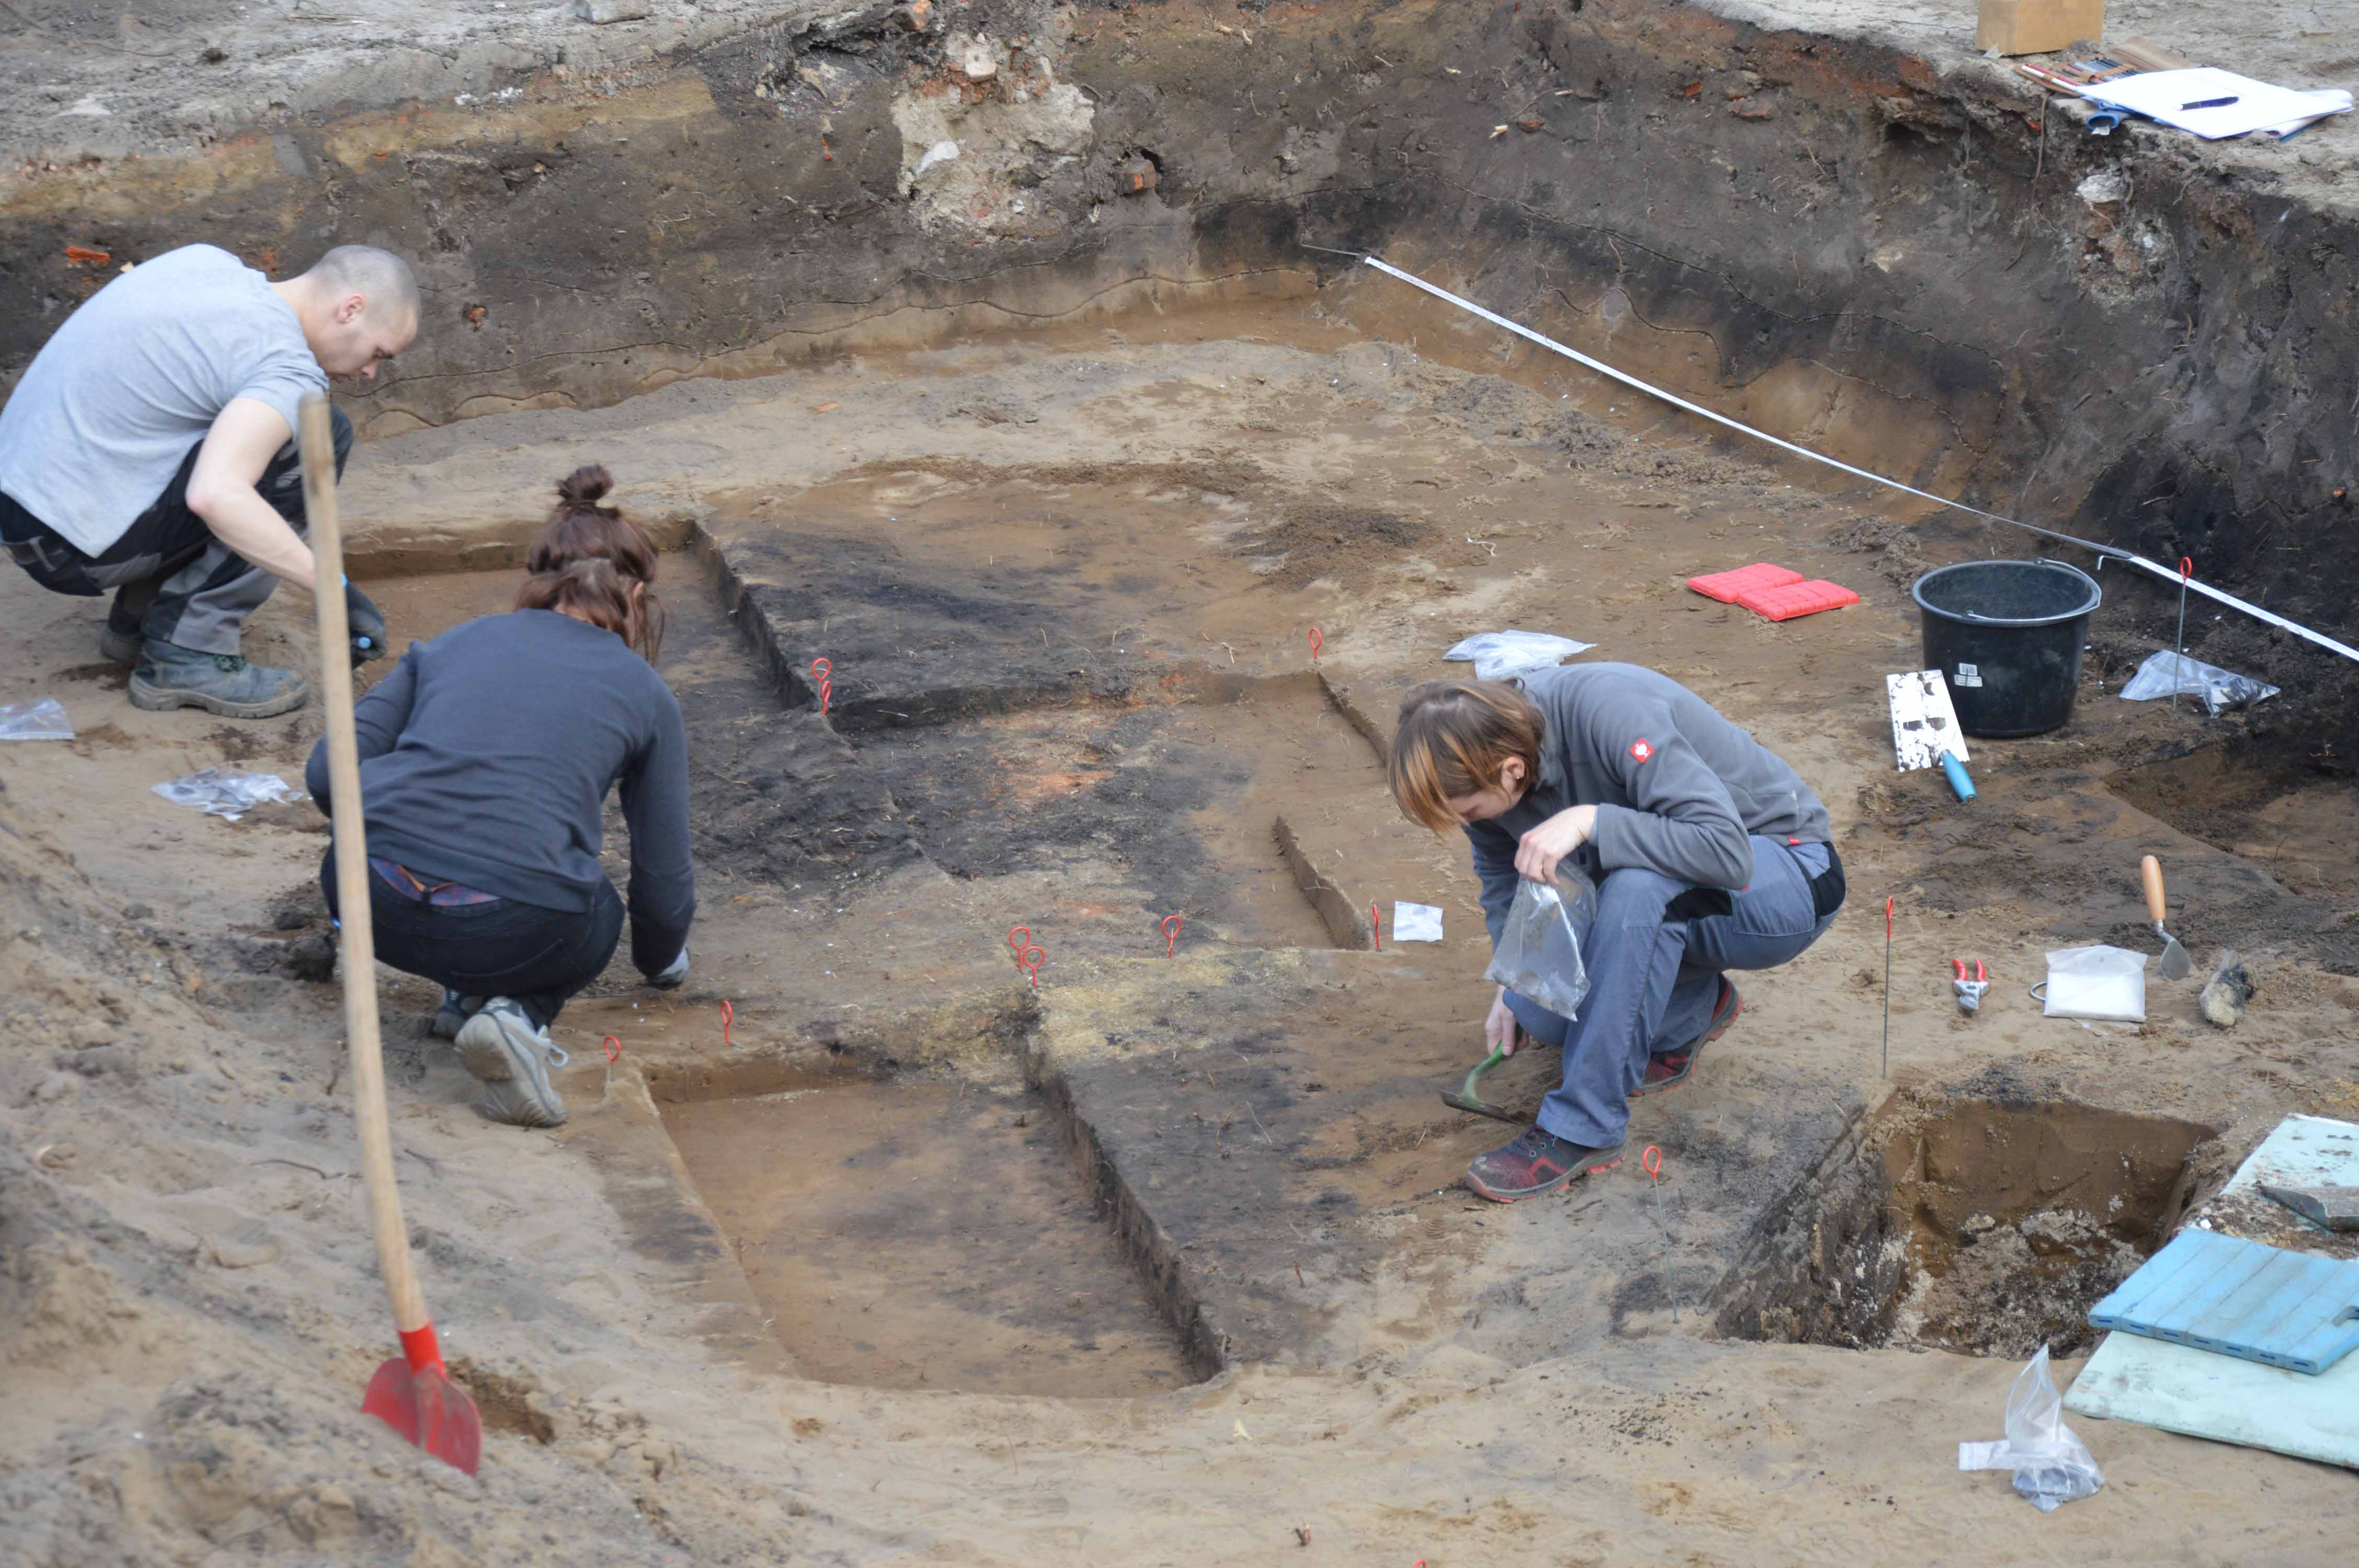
187, 1303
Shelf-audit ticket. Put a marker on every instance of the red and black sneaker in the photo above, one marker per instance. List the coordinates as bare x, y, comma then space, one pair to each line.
1539, 1161
1670, 1069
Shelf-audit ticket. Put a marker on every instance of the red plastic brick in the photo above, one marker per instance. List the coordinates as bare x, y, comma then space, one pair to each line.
1730, 588
1789, 600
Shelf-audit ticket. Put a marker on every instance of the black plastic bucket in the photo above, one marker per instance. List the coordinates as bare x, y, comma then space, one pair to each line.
2007, 635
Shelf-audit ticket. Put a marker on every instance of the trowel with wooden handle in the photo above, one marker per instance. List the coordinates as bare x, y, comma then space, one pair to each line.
2175, 962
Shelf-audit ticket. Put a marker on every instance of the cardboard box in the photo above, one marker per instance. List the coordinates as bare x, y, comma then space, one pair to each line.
2037, 27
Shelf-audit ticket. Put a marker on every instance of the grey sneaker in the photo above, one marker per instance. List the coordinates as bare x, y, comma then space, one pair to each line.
500, 1046
451, 1016
169, 676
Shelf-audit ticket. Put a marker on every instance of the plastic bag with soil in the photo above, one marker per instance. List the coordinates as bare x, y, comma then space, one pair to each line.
1538, 952
2052, 1466
2167, 674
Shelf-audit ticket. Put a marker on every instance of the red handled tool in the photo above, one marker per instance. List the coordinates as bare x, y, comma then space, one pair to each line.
1172, 924
821, 670
1969, 989
1029, 960
1316, 642
1016, 937
411, 1392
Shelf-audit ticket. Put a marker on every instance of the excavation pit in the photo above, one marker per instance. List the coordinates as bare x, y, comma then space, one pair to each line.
2295, 818
1965, 1225
926, 1235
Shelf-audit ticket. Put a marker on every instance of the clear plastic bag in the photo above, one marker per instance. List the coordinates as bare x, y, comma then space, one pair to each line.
2168, 674
1539, 954
43, 720
2052, 1466
217, 792
1499, 655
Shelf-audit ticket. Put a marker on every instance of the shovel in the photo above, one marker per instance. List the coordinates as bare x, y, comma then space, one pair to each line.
2175, 963
1468, 1094
411, 1392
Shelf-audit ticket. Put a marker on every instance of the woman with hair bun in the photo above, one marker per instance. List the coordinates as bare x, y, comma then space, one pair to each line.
486, 757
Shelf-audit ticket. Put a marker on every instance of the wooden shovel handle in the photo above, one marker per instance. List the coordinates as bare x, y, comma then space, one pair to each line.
2150, 873
317, 443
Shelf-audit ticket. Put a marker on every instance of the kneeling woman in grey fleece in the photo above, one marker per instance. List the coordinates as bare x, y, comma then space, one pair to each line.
485, 759
1709, 852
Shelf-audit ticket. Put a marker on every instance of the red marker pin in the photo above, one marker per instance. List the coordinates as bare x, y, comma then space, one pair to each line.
2186, 570
1317, 641
1376, 929
728, 1018
1652, 1163
1016, 937
821, 669
614, 1050
1887, 987
1172, 924
1029, 960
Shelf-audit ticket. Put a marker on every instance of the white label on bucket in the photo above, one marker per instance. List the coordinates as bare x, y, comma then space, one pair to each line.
1969, 674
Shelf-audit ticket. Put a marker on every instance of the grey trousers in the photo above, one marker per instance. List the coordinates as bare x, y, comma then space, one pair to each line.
173, 580
1653, 982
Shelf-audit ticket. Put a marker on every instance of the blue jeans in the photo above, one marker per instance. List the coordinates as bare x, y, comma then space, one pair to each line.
1653, 981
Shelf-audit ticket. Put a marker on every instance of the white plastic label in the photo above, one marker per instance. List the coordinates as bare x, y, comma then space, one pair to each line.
1968, 674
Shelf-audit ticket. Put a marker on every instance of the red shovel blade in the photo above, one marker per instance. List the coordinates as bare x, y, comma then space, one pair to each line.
429, 1410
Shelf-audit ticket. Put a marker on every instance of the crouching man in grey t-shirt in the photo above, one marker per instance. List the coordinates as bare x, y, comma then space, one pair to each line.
149, 450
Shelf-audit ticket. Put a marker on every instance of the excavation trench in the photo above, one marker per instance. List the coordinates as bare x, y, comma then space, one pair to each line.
963, 1226
1961, 1224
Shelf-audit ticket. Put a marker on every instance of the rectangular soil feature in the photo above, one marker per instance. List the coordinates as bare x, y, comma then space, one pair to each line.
926, 1235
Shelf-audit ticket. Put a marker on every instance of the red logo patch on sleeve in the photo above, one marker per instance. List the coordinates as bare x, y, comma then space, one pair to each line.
1641, 751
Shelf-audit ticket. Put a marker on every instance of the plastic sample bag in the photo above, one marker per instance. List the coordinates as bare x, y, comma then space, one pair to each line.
2051, 1464
1499, 655
218, 793
2100, 982
1416, 921
44, 719
2168, 674
1538, 954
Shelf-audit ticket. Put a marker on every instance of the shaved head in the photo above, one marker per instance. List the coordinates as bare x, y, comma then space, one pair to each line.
379, 276
359, 307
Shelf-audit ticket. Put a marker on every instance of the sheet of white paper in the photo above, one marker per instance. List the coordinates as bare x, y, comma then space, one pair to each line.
1416, 921
2164, 96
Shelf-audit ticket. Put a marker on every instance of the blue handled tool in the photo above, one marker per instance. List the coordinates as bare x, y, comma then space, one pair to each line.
1959, 780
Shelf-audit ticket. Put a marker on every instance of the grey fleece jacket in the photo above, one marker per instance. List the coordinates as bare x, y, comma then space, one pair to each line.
1678, 788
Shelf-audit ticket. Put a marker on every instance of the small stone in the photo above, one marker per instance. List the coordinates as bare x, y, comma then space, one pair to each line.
598, 13
978, 63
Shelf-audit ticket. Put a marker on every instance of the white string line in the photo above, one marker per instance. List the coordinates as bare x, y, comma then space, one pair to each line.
1601, 367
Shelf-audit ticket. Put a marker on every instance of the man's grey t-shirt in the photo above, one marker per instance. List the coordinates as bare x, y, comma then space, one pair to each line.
109, 408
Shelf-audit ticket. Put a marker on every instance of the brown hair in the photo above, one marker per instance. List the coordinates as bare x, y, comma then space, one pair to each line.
1451, 740
581, 536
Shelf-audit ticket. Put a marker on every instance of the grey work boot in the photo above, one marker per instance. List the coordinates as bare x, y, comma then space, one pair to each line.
169, 676
452, 1014
500, 1046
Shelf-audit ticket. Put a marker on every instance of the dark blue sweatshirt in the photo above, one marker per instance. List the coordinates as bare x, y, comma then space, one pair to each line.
485, 759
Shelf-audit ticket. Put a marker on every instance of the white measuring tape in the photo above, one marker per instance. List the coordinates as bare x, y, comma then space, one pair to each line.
1601, 367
